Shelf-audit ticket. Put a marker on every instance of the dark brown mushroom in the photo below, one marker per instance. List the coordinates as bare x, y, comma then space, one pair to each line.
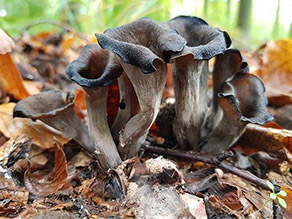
142, 46
56, 109
94, 69
237, 101
225, 66
190, 74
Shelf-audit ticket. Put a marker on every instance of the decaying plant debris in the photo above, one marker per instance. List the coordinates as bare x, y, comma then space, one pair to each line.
74, 163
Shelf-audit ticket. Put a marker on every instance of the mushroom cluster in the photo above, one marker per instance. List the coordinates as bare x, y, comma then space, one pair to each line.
136, 55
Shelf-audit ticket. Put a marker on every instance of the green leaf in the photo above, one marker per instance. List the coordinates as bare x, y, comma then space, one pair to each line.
273, 196
282, 202
270, 185
282, 193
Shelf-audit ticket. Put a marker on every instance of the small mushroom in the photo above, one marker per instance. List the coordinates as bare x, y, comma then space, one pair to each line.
142, 47
56, 109
190, 74
238, 100
225, 66
94, 69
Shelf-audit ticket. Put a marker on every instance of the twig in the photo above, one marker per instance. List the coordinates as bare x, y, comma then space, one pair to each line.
54, 23
188, 156
214, 160
247, 175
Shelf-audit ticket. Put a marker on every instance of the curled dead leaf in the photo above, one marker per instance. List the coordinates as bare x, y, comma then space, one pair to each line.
11, 78
47, 182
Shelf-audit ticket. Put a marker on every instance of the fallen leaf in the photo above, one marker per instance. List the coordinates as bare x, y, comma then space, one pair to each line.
251, 193
11, 78
14, 149
62, 206
276, 71
11, 192
8, 212
7, 44
266, 139
80, 103
41, 134
68, 41
33, 87
283, 116
47, 182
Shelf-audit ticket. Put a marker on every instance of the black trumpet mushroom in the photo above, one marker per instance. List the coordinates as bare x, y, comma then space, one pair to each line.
137, 54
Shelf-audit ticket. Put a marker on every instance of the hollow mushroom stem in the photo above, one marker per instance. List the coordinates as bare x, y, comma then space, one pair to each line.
149, 89
190, 89
105, 148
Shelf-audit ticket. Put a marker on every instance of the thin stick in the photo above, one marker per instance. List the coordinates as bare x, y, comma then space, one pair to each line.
54, 23
188, 156
214, 160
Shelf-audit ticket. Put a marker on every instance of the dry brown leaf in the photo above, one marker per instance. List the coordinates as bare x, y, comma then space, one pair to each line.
251, 193
14, 149
288, 199
276, 71
47, 182
11, 78
79, 160
9, 191
62, 206
80, 99
68, 41
266, 139
33, 87
7, 44
80, 103
41, 134
282, 116
8, 212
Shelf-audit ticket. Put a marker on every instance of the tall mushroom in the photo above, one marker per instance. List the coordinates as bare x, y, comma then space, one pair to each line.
190, 72
94, 69
142, 47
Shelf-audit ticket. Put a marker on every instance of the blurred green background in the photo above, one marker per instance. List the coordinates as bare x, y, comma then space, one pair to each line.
249, 22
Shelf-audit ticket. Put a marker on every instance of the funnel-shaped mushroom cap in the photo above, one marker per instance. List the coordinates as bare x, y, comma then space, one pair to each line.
56, 109
141, 43
238, 100
204, 42
247, 90
95, 67
44, 104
